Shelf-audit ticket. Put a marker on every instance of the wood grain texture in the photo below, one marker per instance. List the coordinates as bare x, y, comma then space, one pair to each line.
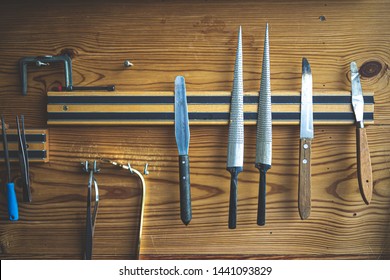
304, 183
164, 39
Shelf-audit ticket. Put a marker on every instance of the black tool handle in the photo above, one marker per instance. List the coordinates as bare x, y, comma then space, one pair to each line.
263, 168
98, 88
185, 192
234, 171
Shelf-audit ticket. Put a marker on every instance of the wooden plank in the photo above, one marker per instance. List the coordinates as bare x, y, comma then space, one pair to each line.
197, 40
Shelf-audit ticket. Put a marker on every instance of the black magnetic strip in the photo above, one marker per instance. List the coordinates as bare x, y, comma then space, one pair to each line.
195, 116
33, 154
195, 99
41, 138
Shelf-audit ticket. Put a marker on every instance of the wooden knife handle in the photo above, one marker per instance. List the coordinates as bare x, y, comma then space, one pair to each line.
364, 165
304, 188
185, 191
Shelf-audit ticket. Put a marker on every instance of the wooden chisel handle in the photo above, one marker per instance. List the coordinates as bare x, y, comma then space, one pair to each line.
364, 165
304, 187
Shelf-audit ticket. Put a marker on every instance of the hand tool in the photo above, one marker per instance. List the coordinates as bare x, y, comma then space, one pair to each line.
45, 61
143, 185
182, 134
363, 154
264, 131
13, 211
306, 136
91, 216
235, 155
23, 159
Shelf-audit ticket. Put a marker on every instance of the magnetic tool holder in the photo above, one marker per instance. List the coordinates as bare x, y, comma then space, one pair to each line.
47, 60
204, 108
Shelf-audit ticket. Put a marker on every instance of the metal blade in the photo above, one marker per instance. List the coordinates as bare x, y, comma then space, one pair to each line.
264, 114
182, 130
235, 157
357, 93
306, 102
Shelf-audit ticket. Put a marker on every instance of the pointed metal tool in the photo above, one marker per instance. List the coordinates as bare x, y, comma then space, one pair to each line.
182, 133
363, 153
235, 157
23, 159
306, 135
264, 130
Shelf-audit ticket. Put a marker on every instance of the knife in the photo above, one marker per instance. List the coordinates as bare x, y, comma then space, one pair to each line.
306, 135
182, 133
363, 154
235, 155
264, 131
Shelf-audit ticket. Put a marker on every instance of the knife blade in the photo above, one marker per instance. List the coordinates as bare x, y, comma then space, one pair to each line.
363, 154
306, 136
182, 134
235, 155
264, 130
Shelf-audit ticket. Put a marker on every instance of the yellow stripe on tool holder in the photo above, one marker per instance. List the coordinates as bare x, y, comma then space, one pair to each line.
204, 108
37, 145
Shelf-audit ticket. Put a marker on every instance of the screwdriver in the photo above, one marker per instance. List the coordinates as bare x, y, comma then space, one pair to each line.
13, 211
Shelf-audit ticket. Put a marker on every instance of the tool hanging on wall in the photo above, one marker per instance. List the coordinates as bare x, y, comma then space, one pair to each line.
264, 131
23, 159
47, 60
364, 167
182, 134
91, 215
143, 188
12, 202
235, 153
306, 137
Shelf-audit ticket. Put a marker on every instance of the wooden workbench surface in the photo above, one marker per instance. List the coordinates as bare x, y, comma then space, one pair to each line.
164, 39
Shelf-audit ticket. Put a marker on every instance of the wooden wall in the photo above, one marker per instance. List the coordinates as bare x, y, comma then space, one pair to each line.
197, 39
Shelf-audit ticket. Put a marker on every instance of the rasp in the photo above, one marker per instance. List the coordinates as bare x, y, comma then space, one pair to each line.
306, 135
363, 154
235, 156
264, 130
182, 133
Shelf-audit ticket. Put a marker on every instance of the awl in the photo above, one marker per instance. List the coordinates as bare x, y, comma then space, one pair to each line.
182, 133
264, 131
363, 154
235, 156
306, 135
